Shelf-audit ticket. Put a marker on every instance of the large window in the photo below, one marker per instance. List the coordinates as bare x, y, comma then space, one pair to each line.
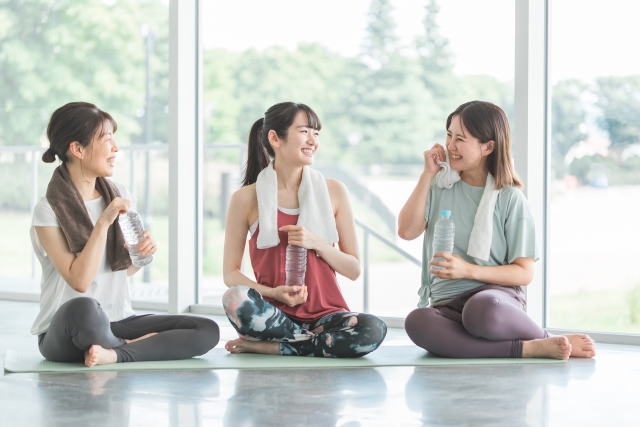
382, 75
594, 187
110, 53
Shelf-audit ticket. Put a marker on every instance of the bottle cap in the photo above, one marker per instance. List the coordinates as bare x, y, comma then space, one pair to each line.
445, 213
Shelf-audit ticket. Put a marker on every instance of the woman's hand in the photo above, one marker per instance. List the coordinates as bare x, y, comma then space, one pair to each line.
117, 206
148, 245
431, 157
301, 237
454, 267
291, 295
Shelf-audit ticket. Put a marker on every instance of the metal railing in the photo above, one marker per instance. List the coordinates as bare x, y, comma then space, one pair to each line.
362, 192
133, 149
368, 231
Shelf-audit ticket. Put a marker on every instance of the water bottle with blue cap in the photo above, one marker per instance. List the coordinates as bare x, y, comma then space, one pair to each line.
443, 236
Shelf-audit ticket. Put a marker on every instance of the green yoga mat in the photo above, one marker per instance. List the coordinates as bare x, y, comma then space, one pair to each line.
219, 358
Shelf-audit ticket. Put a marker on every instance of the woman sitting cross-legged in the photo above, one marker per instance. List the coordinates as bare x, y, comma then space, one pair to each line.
285, 202
85, 309
472, 303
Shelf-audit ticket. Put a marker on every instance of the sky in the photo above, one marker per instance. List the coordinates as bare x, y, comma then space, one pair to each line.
587, 40
480, 47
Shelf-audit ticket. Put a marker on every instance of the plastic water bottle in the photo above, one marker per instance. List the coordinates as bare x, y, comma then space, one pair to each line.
443, 235
132, 230
295, 266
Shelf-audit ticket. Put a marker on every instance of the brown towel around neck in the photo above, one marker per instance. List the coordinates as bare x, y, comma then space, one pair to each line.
68, 205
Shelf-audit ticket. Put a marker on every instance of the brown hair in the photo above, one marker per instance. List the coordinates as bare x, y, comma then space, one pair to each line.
488, 122
278, 118
75, 121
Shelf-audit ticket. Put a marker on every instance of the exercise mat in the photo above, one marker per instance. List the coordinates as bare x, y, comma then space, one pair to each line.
219, 358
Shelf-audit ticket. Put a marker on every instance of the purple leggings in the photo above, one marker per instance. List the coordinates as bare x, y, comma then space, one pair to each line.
485, 322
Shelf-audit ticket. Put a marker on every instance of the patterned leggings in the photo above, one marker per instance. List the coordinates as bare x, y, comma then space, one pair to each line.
342, 334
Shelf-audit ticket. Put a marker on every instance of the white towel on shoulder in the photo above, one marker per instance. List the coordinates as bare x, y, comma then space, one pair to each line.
316, 212
482, 232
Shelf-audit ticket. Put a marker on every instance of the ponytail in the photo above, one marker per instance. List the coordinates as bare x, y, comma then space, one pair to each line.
49, 156
257, 157
277, 118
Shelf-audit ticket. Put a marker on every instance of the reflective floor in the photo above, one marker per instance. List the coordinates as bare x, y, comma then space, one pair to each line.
600, 392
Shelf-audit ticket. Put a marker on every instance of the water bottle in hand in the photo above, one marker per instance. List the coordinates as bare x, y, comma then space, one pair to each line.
295, 266
132, 229
443, 235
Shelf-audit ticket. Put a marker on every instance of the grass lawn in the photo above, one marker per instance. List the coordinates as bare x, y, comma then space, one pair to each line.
597, 311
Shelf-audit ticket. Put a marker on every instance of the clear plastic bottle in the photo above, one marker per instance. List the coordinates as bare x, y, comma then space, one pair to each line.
132, 229
295, 265
443, 236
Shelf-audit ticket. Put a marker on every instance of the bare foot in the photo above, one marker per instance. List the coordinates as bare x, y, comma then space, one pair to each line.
96, 355
549, 348
142, 337
581, 345
243, 346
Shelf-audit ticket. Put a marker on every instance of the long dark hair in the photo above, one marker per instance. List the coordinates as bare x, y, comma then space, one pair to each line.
487, 122
75, 121
278, 118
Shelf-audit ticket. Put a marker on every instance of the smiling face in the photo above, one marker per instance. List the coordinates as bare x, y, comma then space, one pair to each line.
466, 153
301, 144
97, 158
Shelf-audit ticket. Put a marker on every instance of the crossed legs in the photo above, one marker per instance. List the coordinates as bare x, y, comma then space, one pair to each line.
493, 325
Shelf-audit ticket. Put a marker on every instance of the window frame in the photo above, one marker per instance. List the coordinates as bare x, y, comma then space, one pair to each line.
530, 153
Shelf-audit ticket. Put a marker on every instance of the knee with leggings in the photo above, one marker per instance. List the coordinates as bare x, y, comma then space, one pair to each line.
232, 300
76, 326
481, 315
86, 323
253, 317
424, 328
348, 335
497, 316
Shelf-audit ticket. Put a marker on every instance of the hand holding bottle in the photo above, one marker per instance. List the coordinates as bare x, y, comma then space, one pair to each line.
148, 245
291, 295
117, 206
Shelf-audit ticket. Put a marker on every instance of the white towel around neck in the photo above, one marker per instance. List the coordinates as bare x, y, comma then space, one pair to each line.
482, 232
316, 212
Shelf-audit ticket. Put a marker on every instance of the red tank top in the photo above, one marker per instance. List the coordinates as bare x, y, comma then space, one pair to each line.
268, 266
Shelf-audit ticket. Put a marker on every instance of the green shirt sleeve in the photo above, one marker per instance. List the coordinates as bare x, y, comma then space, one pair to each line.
519, 229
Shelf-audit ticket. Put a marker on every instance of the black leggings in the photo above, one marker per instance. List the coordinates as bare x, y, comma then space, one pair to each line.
80, 323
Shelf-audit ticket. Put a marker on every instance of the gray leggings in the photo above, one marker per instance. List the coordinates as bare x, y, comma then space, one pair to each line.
485, 322
80, 323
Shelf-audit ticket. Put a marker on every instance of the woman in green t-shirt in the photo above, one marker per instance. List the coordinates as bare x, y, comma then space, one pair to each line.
474, 307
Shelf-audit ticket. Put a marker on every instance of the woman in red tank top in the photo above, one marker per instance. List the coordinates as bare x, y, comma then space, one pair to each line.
308, 320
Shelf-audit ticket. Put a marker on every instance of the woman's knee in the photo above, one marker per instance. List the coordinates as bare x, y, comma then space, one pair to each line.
481, 314
232, 301
79, 307
419, 325
83, 312
209, 334
374, 329
234, 297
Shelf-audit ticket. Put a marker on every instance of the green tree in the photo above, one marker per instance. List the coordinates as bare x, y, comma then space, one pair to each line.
619, 100
54, 51
434, 55
310, 75
221, 105
389, 105
568, 114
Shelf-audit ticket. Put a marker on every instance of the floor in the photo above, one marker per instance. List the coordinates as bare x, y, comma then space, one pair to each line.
604, 391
